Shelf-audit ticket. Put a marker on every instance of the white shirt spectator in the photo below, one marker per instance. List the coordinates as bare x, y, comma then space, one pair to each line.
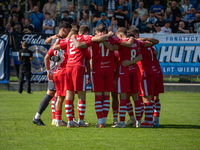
142, 12
49, 23
165, 30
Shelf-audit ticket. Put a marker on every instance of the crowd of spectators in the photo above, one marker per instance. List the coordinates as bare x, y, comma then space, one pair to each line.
111, 13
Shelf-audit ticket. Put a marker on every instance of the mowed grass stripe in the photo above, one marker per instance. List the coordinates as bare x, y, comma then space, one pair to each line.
180, 126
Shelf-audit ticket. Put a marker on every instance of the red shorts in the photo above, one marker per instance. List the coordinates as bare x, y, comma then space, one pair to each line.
102, 81
149, 86
160, 80
75, 78
128, 83
60, 82
115, 86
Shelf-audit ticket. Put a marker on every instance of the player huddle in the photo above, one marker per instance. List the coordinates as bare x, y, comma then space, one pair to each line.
121, 65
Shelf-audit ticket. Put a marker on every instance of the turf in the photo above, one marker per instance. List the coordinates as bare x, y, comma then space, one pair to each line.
180, 126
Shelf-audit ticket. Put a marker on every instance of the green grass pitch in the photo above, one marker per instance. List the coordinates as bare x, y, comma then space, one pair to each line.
180, 126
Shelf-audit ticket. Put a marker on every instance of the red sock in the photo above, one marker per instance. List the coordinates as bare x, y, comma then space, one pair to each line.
53, 108
122, 110
115, 112
68, 109
157, 108
73, 107
129, 107
142, 106
137, 110
81, 108
153, 102
98, 106
58, 114
106, 105
148, 112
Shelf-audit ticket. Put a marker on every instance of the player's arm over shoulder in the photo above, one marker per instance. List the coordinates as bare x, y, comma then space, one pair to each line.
110, 47
100, 38
133, 61
128, 43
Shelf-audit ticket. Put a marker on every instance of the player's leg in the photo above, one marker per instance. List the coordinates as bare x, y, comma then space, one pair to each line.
106, 106
130, 111
142, 107
115, 107
28, 78
136, 100
81, 108
99, 108
53, 110
43, 105
21, 80
157, 111
68, 107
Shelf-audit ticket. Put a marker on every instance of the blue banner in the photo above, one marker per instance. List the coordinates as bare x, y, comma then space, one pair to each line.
179, 54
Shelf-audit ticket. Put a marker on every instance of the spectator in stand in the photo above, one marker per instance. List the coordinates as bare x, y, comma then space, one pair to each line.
198, 9
48, 24
104, 21
18, 27
136, 20
194, 3
37, 19
66, 17
2, 21
29, 28
195, 25
158, 28
185, 9
128, 7
111, 8
175, 23
182, 28
166, 28
31, 5
71, 13
19, 13
115, 26
75, 25
157, 8
149, 28
15, 21
124, 8
85, 21
110, 28
120, 17
51, 8
191, 17
84, 10
96, 3
161, 20
175, 9
97, 15
142, 25
168, 14
152, 17
3, 5
137, 4
141, 10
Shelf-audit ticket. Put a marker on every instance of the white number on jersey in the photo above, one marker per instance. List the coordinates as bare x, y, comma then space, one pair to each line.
103, 51
71, 50
133, 54
151, 52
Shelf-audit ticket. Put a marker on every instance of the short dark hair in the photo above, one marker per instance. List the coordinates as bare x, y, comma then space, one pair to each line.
64, 24
47, 13
135, 12
122, 29
85, 4
25, 44
152, 12
75, 25
83, 29
29, 20
133, 32
100, 5
100, 28
74, 30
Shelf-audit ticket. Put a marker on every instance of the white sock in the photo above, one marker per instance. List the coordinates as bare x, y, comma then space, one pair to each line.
104, 120
100, 121
37, 116
122, 122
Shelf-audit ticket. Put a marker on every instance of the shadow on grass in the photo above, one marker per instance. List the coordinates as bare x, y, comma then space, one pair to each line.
179, 126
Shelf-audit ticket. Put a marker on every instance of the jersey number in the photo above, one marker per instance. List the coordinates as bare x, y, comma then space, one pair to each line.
71, 50
102, 50
133, 54
151, 52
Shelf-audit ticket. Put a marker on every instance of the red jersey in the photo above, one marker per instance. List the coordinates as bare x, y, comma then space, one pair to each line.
156, 63
129, 53
103, 58
117, 59
75, 56
61, 65
147, 65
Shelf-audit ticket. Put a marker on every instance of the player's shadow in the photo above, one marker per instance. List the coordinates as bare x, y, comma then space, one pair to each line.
179, 126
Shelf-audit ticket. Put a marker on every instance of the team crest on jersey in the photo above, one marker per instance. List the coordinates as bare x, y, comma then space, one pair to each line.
37, 65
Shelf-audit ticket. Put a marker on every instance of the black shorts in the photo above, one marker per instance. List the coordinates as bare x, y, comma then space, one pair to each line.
51, 86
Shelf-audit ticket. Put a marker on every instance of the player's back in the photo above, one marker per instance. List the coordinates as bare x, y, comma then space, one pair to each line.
103, 58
